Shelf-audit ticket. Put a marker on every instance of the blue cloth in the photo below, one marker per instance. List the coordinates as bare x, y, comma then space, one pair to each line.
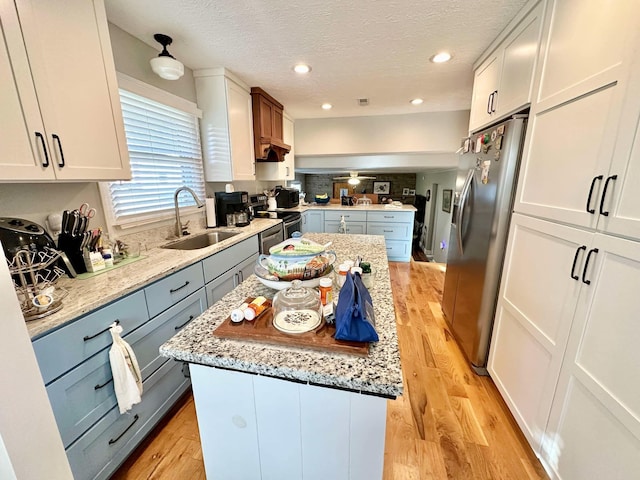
354, 313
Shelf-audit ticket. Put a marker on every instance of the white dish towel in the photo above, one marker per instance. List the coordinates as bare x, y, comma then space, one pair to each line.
127, 379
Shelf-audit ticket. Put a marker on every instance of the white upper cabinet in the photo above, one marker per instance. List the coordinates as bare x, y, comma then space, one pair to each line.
70, 125
226, 126
578, 156
23, 151
277, 171
486, 81
503, 82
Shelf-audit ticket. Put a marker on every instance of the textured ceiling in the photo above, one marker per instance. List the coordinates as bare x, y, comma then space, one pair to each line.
357, 48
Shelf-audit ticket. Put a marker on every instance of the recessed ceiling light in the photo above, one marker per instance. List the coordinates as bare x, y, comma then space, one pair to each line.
326, 106
441, 57
302, 68
416, 101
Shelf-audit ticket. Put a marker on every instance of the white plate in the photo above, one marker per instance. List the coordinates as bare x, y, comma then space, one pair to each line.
298, 321
280, 284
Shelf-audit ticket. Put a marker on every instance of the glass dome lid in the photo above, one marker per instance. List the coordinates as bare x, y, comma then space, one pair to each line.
296, 297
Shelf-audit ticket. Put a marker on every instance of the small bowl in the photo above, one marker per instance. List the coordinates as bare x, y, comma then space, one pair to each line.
42, 301
322, 200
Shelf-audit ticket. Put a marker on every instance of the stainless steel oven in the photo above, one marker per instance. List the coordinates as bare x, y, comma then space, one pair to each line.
270, 237
292, 222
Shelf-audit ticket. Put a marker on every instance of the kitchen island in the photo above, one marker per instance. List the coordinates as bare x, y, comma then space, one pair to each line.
268, 411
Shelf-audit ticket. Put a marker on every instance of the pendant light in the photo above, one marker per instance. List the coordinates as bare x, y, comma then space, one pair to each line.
164, 65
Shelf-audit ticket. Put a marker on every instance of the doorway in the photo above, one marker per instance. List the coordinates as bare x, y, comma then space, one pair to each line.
430, 221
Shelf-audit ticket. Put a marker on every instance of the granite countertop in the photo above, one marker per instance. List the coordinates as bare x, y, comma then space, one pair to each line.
89, 294
379, 373
337, 206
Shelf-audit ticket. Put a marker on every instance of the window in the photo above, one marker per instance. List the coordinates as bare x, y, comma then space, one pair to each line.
165, 154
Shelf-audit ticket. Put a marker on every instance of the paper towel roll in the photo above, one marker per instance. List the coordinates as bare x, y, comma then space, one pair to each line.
211, 212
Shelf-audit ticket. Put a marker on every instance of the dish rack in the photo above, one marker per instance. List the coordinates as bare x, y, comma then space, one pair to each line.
34, 276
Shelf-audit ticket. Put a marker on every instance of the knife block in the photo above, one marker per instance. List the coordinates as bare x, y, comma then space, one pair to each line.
72, 246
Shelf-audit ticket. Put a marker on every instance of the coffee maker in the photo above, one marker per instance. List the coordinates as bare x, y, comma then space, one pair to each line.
232, 209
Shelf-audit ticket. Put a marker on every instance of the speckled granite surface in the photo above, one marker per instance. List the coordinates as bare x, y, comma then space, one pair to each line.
88, 294
378, 373
337, 206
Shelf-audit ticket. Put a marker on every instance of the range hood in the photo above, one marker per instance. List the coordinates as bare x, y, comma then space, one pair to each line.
267, 127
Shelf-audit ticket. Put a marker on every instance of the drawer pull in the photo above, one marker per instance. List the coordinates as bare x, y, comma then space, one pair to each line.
56, 138
180, 326
604, 194
586, 266
174, 290
593, 184
44, 149
98, 387
387, 231
575, 261
89, 337
389, 216
114, 440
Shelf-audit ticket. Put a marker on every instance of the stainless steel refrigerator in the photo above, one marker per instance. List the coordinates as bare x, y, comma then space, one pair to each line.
482, 205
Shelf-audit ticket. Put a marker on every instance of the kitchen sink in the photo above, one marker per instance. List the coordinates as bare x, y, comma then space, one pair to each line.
200, 241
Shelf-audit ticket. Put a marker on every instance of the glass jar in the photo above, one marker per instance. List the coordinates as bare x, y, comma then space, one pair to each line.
297, 309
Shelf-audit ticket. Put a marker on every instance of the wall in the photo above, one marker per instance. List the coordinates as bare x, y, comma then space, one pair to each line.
27, 426
442, 225
407, 162
132, 56
323, 183
420, 132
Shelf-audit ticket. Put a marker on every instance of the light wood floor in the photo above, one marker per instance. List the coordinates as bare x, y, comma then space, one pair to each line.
449, 424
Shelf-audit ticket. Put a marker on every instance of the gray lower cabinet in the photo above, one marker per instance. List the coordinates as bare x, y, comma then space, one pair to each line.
87, 336
170, 290
312, 221
219, 287
333, 226
74, 361
397, 229
102, 448
395, 225
82, 396
226, 270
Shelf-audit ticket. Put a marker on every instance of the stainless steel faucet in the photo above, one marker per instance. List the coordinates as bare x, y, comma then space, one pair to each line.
180, 228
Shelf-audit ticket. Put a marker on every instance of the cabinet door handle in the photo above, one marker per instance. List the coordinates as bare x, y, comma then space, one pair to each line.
44, 149
180, 326
98, 386
241, 276
593, 183
174, 290
586, 266
604, 194
89, 337
489, 103
114, 440
493, 103
575, 261
56, 138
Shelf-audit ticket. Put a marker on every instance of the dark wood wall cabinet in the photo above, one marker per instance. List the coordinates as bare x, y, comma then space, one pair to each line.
267, 127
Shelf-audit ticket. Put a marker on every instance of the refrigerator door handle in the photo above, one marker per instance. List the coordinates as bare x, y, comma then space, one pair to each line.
461, 205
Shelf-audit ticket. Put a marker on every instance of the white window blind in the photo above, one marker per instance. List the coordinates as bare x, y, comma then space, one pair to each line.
165, 154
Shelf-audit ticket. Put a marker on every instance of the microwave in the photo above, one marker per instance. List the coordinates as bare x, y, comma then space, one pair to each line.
287, 198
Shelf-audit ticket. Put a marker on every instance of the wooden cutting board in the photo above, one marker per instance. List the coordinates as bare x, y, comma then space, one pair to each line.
262, 330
